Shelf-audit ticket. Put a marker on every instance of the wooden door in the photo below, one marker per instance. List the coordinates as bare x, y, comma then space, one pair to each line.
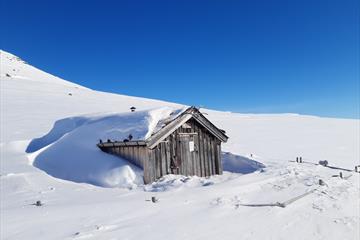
184, 154
188, 154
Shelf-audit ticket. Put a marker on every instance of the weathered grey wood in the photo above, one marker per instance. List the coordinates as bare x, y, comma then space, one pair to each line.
187, 133
122, 144
167, 130
188, 159
168, 157
183, 155
209, 154
213, 172
195, 154
163, 158
196, 160
201, 153
219, 158
151, 162
146, 167
206, 156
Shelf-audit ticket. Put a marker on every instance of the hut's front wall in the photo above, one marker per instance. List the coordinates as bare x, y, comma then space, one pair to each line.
190, 150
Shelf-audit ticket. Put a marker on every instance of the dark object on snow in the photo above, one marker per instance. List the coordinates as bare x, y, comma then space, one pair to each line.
357, 168
191, 137
70, 94
38, 204
340, 175
100, 141
109, 141
130, 137
126, 140
321, 182
154, 199
324, 163
8, 75
133, 109
299, 159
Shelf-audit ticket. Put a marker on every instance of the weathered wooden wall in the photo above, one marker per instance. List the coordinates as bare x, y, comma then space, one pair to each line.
134, 154
173, 155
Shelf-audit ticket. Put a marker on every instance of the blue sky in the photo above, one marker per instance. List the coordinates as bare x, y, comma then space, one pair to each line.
256, 56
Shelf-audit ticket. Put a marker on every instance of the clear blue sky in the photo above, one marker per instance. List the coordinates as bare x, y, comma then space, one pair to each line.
266, 56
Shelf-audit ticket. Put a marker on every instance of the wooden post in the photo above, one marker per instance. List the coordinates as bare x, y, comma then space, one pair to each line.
300, 159
297, 159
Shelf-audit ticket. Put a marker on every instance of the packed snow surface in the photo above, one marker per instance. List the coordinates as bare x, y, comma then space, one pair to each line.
49, 130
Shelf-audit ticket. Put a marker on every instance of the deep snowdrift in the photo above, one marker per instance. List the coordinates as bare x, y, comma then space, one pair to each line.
69, 150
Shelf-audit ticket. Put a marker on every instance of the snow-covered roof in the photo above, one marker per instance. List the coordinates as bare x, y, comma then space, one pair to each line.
156, 125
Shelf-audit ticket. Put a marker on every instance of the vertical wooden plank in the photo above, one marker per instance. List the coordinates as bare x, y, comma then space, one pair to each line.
201, 153
189, 157
213, 154
168, 155
218, 151
184, 157
213, 150
144, 155
179, 155
136, 155
157, 163
163, 158
210, 155
189, 167
131, 157
126, 152
146, 167
195, 153
206, 155
151, 164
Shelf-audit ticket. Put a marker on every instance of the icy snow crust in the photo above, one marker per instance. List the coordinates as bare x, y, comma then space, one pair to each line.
219, 207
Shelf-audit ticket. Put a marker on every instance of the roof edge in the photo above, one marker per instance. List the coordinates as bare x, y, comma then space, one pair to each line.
191, 112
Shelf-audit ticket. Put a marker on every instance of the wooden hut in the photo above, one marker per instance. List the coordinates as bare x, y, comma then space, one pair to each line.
188, 145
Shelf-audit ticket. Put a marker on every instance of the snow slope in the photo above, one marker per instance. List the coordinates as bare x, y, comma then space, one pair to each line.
33, 102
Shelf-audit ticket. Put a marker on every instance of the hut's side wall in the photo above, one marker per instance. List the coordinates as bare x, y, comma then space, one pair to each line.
137, 155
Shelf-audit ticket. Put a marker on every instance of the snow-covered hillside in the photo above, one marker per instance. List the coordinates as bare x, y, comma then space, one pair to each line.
42, 118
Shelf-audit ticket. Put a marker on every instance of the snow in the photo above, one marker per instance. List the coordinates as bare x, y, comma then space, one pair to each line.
87, 163
88, 194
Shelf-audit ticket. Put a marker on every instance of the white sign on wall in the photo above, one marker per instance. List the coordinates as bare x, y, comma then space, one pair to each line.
191, 146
